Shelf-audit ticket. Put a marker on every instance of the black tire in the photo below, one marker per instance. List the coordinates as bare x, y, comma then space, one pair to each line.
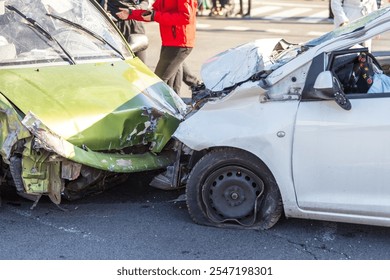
232, 188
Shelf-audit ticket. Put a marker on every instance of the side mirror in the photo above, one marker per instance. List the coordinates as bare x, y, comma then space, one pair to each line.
138, 42
328, 87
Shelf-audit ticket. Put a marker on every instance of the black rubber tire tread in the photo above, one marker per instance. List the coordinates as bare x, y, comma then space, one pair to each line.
271, 208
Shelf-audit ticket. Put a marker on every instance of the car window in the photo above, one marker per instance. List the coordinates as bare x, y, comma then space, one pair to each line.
359, 72
47, 30
381, 50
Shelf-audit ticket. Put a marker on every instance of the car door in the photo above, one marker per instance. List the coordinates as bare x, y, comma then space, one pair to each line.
341, 159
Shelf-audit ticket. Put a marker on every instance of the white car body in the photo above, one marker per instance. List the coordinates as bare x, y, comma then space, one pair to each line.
329, 163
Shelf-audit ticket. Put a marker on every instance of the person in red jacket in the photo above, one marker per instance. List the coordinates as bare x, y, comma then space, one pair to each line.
177, 21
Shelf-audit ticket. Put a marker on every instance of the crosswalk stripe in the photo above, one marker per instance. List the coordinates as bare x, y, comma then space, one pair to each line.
278, 11
264, 10
315, 33
236, 28
314, 18
296, 5
277, 31
287, 13
202, 25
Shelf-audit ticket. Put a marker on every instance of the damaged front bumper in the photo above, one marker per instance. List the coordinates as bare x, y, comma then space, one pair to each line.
43, 163
121, 163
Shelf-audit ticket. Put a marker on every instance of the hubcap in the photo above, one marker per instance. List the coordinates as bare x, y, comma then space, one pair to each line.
231, 192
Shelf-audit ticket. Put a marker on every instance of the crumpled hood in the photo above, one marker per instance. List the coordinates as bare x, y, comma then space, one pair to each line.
122, 108
237, 64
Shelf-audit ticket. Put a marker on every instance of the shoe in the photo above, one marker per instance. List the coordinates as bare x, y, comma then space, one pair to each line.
222, 12
213, 12
198, 87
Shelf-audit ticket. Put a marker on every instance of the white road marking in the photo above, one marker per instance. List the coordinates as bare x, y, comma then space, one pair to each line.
202, 25
278, 12
86, 235
263, 10
287, 13
237, 28
315, 18
315, 33
278, 31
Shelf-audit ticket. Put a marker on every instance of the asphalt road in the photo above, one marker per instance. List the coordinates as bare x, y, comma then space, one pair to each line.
136, 222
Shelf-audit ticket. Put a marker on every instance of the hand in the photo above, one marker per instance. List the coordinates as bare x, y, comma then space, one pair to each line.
123, 14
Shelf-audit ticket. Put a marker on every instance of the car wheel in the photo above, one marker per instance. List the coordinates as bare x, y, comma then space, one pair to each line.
231, 187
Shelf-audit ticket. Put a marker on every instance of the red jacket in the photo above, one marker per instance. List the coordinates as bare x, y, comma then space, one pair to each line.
177, 20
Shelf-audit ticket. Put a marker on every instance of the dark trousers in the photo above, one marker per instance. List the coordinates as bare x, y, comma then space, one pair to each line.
170, 65
188, 77
242, 8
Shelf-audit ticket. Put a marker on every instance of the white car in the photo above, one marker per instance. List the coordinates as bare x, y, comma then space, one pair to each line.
300, 129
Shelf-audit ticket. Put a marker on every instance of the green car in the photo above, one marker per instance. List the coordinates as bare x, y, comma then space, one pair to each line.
77, 109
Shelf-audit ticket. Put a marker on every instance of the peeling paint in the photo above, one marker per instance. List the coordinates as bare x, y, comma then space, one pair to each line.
123, 162
147, 125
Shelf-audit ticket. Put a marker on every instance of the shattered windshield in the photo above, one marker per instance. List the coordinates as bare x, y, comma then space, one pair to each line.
46, 31
352, 27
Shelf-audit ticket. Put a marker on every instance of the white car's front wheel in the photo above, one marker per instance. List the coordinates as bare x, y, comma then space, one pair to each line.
231, 187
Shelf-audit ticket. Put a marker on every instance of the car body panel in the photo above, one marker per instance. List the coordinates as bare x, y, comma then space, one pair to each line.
237, 64
111, 94
352, 174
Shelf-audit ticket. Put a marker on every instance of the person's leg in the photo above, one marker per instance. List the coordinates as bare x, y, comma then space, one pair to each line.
248, 13
331, 16
175, 81
188, 77
214, 8
241, 11
171, 59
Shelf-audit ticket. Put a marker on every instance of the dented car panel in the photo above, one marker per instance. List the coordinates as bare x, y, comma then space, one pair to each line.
11, 129
111, 94
50, 141
238, 120
78, 110
238, 64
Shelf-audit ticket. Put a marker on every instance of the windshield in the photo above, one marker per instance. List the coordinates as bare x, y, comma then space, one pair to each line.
46, 31
353, 26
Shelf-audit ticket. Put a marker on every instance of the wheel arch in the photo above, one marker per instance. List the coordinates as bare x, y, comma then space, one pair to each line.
197, 155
